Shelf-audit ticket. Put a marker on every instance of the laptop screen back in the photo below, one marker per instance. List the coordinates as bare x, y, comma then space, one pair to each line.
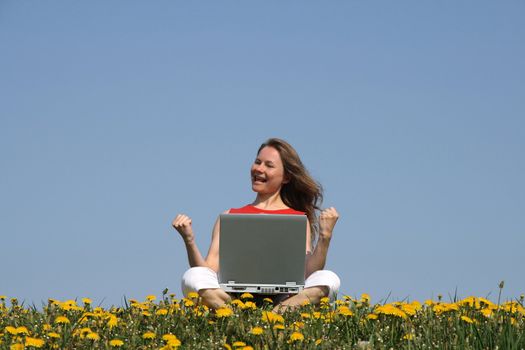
262, 249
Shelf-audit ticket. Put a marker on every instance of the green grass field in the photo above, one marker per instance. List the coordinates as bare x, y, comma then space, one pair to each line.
348, 323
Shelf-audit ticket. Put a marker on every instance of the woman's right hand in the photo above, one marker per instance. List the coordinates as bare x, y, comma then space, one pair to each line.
182, 223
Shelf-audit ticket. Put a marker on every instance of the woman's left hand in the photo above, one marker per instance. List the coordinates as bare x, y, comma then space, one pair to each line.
327, 221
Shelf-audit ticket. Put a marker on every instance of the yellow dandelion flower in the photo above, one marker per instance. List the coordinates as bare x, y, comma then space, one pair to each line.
149, 335
471, 301
173, 343
487, 312
371, 317
256, 331
417, 305
3, 297
46, 327
227, 347
223, 312
82, 332
112, 321
268, 300
18, 330
62, 320
345, 311
87, 301
272, 317
238, 344
390, 309
247, 347
249, 305
305, 315
161, 312
193, 295
246, 296
365, 298
151, 297
325, 300
486, 302
409, 309
17, 346
467, 319
408, 336
34, 342
279, 327
11, 330
116, 343
67, 305
93, 336
188, 302
318, 341
296, 336
297, 325
53, 335
238, 303
305, 303
168, 337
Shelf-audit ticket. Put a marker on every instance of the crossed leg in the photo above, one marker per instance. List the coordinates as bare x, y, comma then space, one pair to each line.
214, 298
313, 295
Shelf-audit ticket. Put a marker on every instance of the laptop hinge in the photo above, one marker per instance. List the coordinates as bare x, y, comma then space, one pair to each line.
229, 282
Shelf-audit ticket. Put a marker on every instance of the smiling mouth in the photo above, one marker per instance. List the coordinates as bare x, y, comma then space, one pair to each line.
257, 178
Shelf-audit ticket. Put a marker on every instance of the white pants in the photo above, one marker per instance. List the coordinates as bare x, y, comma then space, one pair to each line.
197, 278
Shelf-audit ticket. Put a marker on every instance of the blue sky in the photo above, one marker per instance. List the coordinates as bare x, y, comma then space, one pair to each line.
116, 116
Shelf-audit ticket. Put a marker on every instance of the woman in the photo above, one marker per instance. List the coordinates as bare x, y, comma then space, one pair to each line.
283, 186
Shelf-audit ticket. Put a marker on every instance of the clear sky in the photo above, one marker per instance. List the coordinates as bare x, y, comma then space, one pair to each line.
117, 115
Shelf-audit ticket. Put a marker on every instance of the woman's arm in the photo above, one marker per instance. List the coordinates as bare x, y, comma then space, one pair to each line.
212, 259
317, 260
182, 223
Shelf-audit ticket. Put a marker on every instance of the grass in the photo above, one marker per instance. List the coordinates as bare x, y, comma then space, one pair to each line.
348, 323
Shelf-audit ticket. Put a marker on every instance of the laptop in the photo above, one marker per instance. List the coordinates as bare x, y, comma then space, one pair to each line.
262, 253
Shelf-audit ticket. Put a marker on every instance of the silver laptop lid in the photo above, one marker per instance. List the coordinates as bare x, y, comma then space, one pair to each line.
262, 249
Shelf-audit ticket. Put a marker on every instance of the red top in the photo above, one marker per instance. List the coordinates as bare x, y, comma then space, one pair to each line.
250, 209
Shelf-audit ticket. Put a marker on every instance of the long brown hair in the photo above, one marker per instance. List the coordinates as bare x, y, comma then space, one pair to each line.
301, 192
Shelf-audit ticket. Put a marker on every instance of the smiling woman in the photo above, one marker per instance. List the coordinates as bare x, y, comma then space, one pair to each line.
283, 186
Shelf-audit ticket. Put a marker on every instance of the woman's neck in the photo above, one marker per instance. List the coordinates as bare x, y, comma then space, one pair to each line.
269, 202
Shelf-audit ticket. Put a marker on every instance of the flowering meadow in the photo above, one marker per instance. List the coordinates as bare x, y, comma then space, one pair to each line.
348, 323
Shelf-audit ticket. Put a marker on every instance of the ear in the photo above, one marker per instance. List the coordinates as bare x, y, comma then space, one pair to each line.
286, 179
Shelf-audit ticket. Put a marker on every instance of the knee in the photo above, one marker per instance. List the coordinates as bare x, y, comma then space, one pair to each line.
197, 278
327, 279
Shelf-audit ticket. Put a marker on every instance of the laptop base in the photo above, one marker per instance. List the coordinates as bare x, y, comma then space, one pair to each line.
261, 288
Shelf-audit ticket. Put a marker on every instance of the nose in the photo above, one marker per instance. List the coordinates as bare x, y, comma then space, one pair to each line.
258, 168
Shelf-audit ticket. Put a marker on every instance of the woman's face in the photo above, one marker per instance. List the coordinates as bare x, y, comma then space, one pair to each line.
267, 172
